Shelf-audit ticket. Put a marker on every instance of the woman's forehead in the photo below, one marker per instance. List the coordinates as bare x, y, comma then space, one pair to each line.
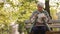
39, 7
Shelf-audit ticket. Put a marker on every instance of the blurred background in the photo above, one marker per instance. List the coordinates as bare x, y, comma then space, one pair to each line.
13, 14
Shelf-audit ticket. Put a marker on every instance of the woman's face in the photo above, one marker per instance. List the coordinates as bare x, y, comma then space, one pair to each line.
39, 8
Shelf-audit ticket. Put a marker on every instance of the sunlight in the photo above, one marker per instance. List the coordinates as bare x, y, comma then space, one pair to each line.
7, 5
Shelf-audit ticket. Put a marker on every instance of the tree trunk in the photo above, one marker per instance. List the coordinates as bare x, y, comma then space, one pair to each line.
47, 7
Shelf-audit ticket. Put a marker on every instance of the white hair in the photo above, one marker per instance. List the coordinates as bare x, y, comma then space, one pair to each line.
40, 4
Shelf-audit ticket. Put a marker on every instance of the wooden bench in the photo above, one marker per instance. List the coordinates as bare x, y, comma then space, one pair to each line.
53, 26
53, 32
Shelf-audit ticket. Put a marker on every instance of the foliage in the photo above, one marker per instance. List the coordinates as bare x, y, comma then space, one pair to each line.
26, 9
53, 13
18, 11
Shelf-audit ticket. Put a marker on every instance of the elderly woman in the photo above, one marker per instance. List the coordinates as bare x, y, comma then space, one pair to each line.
39, 27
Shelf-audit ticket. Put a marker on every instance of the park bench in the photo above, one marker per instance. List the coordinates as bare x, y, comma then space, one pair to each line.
54, 24
53, 32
